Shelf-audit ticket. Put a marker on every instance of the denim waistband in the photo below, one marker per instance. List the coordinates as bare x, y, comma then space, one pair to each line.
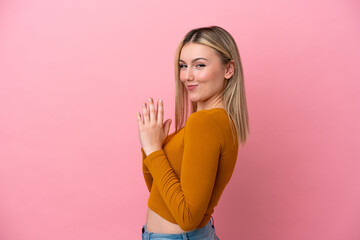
188, 235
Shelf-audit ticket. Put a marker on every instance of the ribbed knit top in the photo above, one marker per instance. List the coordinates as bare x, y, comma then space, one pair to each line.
188, 175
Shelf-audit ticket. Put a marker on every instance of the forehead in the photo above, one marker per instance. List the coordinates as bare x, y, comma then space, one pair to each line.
194, 50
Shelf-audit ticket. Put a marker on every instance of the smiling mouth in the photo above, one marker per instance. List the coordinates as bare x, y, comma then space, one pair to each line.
190, 87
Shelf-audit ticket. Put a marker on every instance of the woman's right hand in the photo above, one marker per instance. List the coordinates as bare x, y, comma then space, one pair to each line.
152, 130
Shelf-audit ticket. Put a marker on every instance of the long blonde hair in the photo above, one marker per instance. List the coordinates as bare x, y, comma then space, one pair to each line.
233, 93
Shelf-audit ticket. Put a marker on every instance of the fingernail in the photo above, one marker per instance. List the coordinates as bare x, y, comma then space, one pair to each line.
160, 100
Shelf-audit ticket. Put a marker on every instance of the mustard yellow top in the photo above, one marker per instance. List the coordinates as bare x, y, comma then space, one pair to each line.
188, 175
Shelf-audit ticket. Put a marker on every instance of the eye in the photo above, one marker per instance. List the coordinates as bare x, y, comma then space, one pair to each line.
201, 65
182, 65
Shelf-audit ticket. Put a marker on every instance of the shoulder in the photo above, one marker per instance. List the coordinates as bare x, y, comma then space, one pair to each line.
204, 123
201, 117
213, 117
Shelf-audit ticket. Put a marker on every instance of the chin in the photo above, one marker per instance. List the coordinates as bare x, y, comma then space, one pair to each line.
193, 99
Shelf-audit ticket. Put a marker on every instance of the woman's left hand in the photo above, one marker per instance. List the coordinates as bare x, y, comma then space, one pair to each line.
152, 130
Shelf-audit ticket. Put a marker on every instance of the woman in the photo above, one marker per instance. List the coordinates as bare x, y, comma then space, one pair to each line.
187, 171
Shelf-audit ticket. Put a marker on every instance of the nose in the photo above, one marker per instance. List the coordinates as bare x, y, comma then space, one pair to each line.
188, 75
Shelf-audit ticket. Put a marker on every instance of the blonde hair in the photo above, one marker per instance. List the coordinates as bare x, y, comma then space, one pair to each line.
233, 93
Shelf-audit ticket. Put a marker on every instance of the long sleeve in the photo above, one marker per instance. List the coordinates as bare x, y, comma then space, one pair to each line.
147, 175
187, 198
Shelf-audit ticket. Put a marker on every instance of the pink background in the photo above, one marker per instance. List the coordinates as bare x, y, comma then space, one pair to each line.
74, 73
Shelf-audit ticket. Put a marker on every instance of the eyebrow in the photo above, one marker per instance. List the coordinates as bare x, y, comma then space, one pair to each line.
194, 59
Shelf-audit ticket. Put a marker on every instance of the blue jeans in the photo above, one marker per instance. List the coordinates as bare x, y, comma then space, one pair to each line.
205, 233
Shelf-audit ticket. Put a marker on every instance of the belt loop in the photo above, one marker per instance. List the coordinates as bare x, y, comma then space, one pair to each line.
184, 236
145, 233
213, 222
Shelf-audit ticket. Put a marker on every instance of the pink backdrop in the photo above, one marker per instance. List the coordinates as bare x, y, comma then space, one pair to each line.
74, 73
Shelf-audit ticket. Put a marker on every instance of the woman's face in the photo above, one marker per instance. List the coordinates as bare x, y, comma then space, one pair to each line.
202, 67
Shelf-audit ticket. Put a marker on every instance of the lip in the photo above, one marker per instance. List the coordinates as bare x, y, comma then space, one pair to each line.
191, 87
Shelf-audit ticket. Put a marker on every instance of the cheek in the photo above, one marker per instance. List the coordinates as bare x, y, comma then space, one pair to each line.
208, 75
181, 77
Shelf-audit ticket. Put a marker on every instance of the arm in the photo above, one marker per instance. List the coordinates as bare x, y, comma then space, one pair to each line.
187, 198
147, 175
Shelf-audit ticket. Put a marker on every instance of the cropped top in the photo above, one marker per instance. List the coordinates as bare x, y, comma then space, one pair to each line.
188, 175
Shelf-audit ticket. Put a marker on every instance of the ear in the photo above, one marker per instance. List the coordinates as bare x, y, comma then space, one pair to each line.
229, 70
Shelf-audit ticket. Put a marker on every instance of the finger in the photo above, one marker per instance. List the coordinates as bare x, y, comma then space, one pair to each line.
167, 126
139, 120
145, 114
160, 113
152, 111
